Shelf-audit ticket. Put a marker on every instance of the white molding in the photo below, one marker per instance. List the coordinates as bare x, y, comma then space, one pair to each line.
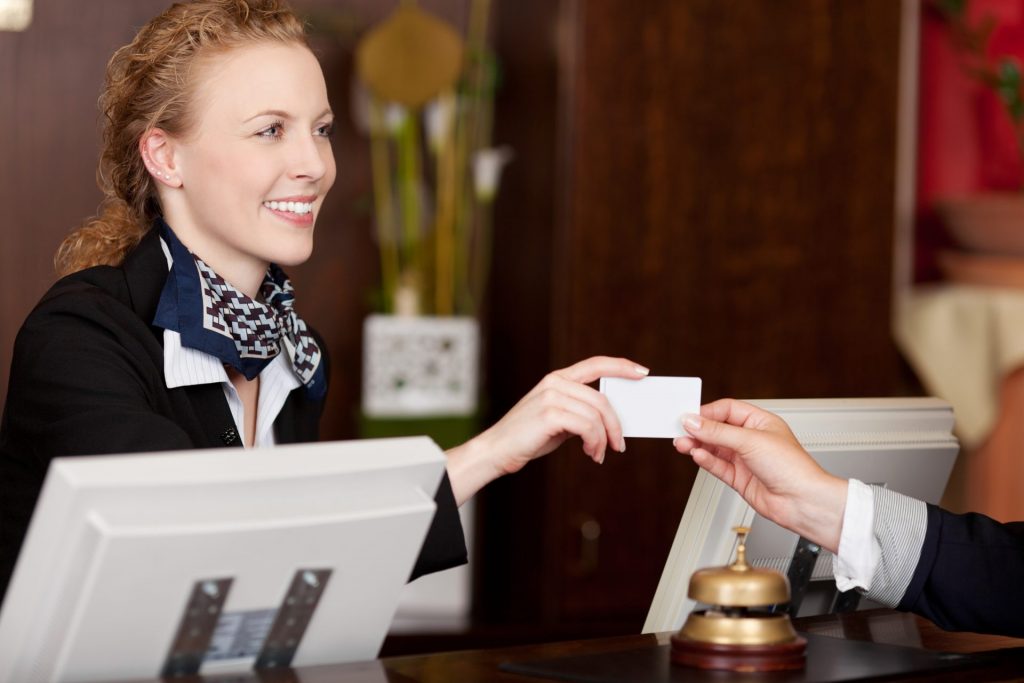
906, 153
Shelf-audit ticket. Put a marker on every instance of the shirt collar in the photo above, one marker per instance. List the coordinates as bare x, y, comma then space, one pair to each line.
184, 366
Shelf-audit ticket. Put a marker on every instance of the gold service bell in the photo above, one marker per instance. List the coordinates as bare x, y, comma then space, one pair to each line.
736, 632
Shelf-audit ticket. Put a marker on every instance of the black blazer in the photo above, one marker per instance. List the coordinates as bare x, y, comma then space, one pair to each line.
970, 576
87, 378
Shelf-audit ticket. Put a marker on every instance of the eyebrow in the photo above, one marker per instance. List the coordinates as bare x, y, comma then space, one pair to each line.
285, 115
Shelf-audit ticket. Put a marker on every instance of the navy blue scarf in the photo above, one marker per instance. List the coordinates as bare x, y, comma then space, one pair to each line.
215, 318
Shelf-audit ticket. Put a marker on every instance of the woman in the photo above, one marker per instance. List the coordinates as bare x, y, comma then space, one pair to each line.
175, 326
963, 572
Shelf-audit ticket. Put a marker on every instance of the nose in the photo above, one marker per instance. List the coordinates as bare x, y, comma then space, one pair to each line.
309, 158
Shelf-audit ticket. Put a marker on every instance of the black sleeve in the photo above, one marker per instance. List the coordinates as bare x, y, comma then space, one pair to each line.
445, 545
87, 378
80, 384
970, 576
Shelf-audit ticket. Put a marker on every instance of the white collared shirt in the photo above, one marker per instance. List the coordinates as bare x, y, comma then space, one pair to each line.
185, 367
188, 367
859, 551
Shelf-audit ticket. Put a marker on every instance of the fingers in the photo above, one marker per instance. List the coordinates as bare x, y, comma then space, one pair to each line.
589, 370
710, 431
571, 382
591, 406
568, 420
593, 399
731, 411
562, 405
740, 414
687, 445
684, 444
717, 467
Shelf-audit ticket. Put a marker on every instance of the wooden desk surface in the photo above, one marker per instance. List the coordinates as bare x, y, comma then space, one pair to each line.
879, 626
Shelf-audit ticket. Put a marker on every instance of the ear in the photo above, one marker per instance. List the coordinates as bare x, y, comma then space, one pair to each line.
157, 150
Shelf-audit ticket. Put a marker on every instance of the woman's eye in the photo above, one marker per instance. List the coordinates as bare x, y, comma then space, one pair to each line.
271, 131
326, 130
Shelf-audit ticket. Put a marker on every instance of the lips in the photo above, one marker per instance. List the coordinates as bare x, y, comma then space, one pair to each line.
297, 210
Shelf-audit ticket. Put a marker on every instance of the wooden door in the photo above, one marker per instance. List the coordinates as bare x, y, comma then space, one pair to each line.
722, 177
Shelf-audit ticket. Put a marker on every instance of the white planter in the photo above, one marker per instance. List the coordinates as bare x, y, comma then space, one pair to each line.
415, 366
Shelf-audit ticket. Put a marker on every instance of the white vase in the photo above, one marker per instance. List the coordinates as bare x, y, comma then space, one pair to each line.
415, 366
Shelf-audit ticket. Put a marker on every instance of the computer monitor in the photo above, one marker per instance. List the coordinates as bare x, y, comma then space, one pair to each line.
212, 561
905, 444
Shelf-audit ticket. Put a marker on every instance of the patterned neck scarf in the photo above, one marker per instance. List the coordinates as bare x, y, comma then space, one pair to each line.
214, 317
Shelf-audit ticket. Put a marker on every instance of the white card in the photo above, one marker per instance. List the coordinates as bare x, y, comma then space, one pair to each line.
652, 407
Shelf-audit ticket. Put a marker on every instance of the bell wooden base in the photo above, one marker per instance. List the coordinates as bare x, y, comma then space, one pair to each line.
776, 657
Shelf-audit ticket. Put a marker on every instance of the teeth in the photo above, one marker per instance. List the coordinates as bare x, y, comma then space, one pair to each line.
298, 208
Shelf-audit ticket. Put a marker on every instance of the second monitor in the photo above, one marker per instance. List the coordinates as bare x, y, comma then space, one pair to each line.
905, 444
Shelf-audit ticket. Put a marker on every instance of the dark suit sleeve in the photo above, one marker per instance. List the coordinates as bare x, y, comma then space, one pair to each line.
970, 576
79, 385
87, 379
445, 545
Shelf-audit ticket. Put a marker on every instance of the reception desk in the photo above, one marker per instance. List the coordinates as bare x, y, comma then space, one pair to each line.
877, 626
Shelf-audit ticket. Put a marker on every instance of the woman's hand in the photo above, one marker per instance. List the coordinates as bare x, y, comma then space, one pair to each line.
754, 452
559, 407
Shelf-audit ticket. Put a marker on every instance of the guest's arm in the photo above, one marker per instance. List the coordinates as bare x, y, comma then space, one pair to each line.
754, 452
963, 572
970, 575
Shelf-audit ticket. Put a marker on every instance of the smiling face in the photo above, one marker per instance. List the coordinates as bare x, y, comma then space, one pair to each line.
248, 180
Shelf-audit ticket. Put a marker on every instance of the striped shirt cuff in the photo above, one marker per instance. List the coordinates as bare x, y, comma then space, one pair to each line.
899, 529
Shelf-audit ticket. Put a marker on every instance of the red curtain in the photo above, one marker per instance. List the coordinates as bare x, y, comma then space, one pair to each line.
966, 142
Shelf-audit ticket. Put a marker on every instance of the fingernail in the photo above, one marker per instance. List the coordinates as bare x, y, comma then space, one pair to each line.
641, 370
601, 461
622, 444
692, 422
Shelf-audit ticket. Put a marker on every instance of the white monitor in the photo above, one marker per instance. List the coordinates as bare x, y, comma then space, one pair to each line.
137, 566
905, 444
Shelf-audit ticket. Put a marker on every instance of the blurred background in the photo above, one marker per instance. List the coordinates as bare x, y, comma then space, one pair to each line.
720, 189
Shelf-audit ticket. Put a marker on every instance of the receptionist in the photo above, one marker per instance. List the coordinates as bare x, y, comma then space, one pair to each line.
215, 162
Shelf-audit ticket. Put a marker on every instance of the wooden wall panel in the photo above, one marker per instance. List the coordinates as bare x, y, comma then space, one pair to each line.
730, 212
50, 77
518, 320
724, 209
732, 179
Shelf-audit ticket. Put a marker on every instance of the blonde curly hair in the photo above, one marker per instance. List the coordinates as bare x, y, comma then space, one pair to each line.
148, 85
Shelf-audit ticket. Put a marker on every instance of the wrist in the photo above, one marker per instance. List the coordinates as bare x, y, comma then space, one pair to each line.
819, 514
472, 465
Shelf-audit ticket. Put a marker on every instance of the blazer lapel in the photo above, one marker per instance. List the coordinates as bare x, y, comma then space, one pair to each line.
145, 270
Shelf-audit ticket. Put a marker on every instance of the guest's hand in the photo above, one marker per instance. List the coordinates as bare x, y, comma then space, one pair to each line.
755, 453
559, 407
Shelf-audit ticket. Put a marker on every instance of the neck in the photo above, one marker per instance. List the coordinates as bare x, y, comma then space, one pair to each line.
243, 272
246, 280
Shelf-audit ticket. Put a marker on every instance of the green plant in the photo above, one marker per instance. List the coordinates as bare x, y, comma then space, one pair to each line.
432, 205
